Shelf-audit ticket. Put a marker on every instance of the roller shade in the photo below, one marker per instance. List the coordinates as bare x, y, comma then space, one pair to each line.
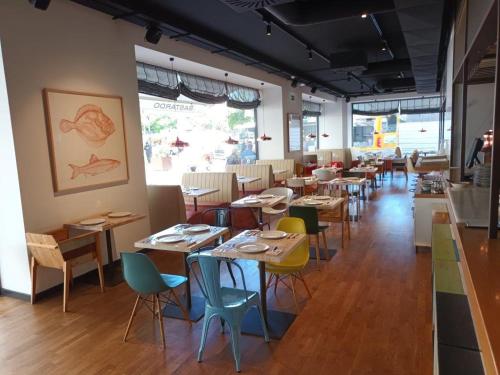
311, 108
169, 84
421, 105
387, 107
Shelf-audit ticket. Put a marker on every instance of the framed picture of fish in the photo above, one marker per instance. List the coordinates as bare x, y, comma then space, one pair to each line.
87, 143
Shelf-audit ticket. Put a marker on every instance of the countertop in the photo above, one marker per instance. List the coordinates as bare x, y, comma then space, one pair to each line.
470, 205
480, 258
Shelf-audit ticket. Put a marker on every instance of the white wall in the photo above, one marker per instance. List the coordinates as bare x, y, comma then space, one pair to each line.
14, 275
333, 121
269, 118
479, 112
68, 47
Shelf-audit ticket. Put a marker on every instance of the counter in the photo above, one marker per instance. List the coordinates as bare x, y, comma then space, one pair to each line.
481, 268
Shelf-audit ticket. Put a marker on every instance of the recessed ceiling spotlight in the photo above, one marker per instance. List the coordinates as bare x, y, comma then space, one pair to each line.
384, 49
262, 83
268, 29
153, 34
364, 15
302, 84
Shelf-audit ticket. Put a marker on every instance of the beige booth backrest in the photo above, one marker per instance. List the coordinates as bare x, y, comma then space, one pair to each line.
224, 181
326, 156
283, 164
264, 171
166, 206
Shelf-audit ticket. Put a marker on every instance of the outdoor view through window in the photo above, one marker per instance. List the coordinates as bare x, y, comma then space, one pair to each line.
206, 129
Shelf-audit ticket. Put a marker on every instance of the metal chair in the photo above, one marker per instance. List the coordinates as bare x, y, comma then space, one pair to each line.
229, 304
143, 277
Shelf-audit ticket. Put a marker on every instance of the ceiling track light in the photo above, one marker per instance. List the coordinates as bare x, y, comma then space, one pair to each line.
268, 28
40, 4
294, 82
309, 53
153, 34
313, 89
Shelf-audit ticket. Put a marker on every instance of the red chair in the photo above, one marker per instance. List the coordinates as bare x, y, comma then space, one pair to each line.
355, 163
337, 164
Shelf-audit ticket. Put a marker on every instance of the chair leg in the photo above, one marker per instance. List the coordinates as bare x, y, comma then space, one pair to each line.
67, 272
327, 255
160, 319
316, 243
206, 324
131, 319
301, 278
342, 229
263, 323
34, 268
276, 279
235, 343
348, 229
181, 306
292, 282
269, 280
101, 275
230, 269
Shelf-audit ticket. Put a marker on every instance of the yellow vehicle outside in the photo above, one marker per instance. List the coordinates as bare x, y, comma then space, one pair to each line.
383, 140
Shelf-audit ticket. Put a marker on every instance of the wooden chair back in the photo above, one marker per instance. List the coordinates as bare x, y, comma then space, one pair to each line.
45, 249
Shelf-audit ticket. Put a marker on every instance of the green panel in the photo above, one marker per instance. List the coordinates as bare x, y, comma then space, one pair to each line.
447, 277
442, 243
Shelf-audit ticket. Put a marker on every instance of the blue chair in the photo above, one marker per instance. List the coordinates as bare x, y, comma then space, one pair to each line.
229, 304
143, 277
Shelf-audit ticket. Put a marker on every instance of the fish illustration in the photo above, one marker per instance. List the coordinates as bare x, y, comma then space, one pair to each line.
95, 166
91, 124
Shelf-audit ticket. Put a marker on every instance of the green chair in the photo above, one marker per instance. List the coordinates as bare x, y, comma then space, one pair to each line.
143, 277
229, 304
310, 217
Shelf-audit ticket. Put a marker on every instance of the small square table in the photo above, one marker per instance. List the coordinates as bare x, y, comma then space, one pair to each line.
263, 202
193, 242
246, 180
113, 275
196, 193
351, 181
277, 322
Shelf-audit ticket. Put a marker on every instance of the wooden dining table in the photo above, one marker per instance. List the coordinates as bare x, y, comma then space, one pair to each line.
277, 322
259, 204
192, 242
196, 193
347, 182
112, 275
246, 180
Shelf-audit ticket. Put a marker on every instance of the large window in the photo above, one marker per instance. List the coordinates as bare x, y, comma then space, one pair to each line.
217, 135
310, 132
410, 124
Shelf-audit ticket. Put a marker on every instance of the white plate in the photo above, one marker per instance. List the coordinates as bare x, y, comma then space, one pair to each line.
273, 234
322, 197
93, 221
266, 196
197, 228
313, 203
252, 200
170, 238
119, 214
251, 247
194, 188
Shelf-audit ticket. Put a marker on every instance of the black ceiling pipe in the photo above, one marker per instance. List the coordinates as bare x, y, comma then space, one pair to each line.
301, 13
387, 67
394, 84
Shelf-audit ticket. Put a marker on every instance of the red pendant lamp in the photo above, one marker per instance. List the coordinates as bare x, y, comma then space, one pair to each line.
179, 144
231, 141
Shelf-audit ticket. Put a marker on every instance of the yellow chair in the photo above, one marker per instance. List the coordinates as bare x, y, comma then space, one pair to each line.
293, 265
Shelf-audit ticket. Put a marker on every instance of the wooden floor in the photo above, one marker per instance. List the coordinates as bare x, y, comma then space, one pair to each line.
370, 314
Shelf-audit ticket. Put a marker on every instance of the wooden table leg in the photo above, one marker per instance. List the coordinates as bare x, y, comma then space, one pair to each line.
195, 200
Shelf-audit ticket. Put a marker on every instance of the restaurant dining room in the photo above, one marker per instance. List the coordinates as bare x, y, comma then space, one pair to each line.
265, 187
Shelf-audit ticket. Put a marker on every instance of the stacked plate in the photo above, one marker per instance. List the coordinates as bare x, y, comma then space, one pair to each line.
198, 228
482, 175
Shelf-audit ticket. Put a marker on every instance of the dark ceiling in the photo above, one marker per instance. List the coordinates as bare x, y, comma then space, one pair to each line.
399, 45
